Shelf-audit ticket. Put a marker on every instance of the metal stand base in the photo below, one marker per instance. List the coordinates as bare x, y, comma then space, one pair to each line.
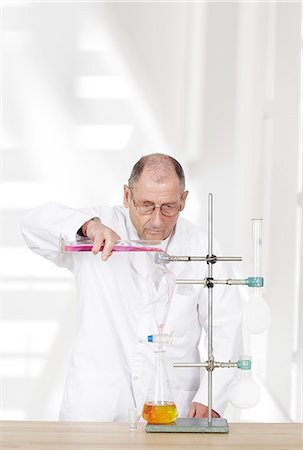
184, 425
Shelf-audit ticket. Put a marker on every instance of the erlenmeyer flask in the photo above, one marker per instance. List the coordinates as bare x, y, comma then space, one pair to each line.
160, 406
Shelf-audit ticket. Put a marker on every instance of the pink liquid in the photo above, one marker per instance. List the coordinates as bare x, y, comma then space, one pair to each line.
116, 248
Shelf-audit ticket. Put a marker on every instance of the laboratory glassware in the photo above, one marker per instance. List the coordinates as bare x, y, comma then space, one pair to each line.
257, 316
159, 407
132, 418
86, 245
244, 392
160, 283
209, 425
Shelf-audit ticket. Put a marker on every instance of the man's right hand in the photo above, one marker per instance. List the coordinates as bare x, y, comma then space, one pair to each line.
100, 235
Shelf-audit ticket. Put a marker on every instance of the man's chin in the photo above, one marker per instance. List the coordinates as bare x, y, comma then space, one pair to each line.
153, 235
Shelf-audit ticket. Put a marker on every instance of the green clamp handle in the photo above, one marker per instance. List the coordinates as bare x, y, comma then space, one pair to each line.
244, 364
254, 282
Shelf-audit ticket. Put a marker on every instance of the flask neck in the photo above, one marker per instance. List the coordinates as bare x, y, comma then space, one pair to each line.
159, 357
245, 374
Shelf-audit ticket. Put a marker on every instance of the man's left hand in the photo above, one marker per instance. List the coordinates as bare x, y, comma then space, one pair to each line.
200, 411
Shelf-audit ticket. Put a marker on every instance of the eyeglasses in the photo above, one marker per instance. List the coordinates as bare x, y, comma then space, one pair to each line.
147, 208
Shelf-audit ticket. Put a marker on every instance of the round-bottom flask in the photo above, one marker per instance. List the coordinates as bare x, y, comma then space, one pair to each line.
160, 407
244, 392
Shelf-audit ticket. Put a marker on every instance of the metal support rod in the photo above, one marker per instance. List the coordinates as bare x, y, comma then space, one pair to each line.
228, 364
191, 365
216, 364
213, 259
229, 281
189, 281
228, 258
210, 308
210, 224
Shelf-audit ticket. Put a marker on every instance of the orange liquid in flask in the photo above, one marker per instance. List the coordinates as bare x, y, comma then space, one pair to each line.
159, 413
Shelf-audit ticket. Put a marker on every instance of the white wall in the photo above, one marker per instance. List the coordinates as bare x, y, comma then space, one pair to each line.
217, 85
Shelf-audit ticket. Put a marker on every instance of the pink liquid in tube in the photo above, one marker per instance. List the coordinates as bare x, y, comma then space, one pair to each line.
121, 246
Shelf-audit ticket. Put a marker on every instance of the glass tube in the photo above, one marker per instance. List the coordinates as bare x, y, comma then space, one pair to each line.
257, 315
85, 245
257, 246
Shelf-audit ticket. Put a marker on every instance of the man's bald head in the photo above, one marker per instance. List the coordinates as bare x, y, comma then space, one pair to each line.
160, 166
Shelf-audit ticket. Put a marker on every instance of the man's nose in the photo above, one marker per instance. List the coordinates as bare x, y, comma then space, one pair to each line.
157, 216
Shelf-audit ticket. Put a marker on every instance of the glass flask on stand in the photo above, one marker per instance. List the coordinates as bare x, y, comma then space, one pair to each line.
244, 392
159, 407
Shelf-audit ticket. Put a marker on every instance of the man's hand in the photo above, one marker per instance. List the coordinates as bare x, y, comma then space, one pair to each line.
200, 411
100, 235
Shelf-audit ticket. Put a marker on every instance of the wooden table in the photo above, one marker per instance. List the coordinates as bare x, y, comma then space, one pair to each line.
114, 436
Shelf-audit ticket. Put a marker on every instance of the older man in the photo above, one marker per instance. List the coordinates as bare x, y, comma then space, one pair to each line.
112, 364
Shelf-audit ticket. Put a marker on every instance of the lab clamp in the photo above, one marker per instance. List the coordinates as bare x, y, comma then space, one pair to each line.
209, 424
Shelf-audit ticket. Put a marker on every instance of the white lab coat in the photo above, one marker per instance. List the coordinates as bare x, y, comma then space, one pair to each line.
112, 364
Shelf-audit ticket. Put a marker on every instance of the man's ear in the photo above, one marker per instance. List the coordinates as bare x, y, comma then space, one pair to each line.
183, 199
126, 196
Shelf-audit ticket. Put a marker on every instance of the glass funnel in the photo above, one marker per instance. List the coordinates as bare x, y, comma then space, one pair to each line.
160, 284
159, 407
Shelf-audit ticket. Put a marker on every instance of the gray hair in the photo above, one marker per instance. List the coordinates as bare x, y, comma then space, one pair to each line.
159, 163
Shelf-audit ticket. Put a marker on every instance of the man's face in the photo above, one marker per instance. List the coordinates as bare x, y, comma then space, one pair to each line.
146, 192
